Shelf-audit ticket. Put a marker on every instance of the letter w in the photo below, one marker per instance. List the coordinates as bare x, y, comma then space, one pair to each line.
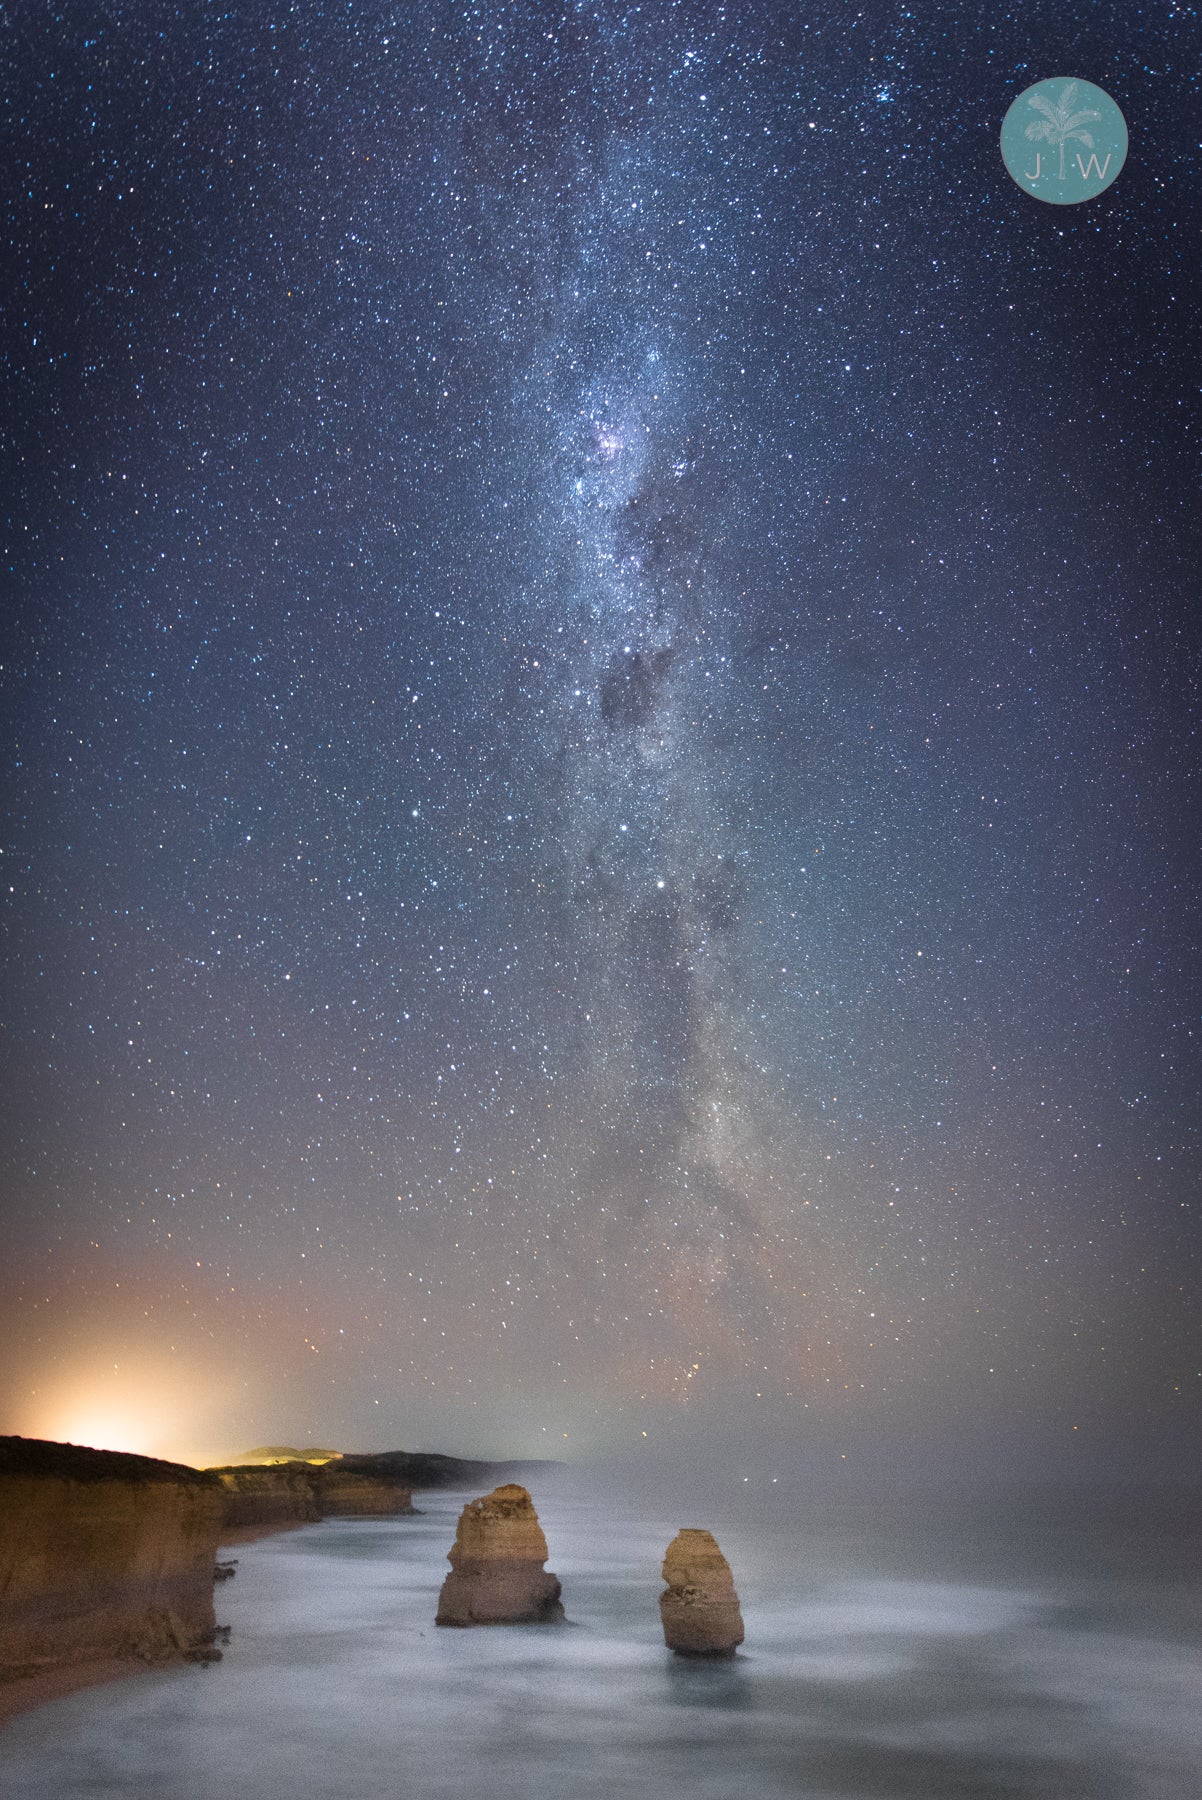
1093, 167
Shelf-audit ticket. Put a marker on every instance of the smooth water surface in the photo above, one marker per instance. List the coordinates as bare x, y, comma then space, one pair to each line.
946, 1660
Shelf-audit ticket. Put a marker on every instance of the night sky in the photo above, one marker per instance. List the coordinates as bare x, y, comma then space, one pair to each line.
600, 695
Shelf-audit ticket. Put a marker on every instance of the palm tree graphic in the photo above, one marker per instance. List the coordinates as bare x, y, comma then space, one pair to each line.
1060, 123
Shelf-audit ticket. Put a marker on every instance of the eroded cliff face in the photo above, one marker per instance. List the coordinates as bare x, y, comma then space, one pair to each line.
296, 1493
353, 1494
273, 1494
102, 1555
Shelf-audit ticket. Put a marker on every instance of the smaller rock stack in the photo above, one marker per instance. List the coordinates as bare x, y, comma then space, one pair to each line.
699, 1608
497, 1575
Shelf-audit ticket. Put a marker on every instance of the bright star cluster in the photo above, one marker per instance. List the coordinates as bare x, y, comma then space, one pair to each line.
601, 701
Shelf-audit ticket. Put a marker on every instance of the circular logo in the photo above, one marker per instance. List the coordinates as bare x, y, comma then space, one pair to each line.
1064, 140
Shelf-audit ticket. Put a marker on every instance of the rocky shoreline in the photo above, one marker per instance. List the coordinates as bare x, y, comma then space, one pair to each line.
108, 1560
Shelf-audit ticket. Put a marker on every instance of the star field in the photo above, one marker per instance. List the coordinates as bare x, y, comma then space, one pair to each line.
602, 764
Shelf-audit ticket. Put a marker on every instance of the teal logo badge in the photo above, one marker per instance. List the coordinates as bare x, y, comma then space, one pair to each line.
1064, 140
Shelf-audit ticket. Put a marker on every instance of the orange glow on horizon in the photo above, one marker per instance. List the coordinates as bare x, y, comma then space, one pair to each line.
116, 1432
140, 1408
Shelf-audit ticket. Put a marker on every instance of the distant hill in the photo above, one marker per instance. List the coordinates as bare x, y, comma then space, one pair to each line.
277, 1453
412, 1468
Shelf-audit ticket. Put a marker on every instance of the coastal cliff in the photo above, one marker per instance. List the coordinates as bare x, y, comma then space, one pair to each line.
298, 1493
344, 1493
102, 1556
275, 1494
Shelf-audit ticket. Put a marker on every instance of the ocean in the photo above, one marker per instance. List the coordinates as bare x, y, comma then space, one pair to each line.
971, 1655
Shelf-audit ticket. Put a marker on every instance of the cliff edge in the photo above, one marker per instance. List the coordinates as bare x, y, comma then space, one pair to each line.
102, 1556
270, 1496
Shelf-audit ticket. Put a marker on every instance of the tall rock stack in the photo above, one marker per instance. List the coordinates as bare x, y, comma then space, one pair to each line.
699, 1608
497, 1575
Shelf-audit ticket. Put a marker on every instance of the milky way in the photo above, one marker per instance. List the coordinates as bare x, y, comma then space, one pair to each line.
602, 821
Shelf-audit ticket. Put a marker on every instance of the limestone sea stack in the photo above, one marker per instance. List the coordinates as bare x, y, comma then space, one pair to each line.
699, 1608
497, 1575
102, 1555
